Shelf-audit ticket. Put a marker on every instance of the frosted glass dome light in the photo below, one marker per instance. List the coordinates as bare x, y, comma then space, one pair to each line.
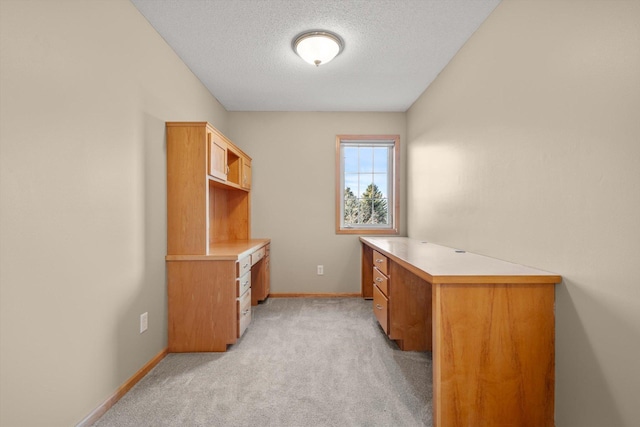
317, 47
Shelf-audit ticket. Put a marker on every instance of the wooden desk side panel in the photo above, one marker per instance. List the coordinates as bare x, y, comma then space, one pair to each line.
202, 305
258, 282
367, 272
186, 190
494, 355
410, 317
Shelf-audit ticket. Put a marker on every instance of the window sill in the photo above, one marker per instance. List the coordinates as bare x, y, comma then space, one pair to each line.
368, 231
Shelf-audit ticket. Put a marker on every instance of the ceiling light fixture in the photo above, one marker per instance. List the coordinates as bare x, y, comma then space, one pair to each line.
317, 47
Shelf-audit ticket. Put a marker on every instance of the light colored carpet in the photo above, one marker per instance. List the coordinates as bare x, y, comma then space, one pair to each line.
302, 362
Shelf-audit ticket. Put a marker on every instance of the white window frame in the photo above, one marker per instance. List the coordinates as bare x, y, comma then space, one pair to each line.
393, 187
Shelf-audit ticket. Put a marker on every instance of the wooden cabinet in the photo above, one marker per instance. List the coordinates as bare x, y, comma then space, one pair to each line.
217, 155
243, 302
202, 305
489, 323
202, 209
381, 308
244, 312
381, 281
246, 174
380, 291
401, 303
380, 262
238, 166
209, 247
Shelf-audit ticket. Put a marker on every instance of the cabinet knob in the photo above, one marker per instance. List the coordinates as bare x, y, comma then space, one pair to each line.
378, 279
379, 260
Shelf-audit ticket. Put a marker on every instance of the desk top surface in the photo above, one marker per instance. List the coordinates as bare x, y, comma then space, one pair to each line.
225, 251
441, 264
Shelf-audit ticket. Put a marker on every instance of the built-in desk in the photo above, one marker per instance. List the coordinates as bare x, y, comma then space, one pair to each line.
210, 296
489, 323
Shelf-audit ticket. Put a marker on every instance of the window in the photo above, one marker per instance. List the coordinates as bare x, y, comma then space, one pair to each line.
367, 187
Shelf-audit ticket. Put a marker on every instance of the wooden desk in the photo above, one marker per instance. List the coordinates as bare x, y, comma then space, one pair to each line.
491, 325
210, 296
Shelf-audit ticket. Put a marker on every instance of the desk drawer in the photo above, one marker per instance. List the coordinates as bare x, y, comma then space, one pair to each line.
381, 281
244, 312
380, 261
381, 309
243, 284
257, 256
243, 266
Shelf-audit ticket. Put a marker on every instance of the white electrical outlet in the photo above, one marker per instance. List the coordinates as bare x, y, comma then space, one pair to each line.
144, 321
320, 270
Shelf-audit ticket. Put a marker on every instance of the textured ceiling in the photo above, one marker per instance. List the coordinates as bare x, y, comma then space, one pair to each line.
241, 49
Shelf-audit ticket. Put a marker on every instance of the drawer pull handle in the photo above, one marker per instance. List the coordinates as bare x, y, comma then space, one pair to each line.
245, 283
379, 260
378, 306
246, 265
244, 313
378, 279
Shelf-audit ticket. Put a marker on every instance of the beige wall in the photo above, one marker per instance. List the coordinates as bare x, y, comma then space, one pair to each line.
293, 195
86, 87
527, 148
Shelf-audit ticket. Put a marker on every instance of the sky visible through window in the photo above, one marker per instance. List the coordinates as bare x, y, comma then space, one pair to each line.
365, 165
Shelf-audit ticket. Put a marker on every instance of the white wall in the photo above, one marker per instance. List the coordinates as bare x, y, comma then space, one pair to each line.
293, 193
86, 87
527, 148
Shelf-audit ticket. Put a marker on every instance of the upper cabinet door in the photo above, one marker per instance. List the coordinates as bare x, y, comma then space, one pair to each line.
217, 156
246, 173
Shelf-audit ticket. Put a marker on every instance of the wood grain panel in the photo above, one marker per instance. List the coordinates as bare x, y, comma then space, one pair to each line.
230, 210
494, 355
366, 283
409, 309
202, 309
218, 231
186, 190
238, 215
258, 284
267, 274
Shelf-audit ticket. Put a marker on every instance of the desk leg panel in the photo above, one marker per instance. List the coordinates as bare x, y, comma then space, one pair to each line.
366, 275
493, 355
410, 319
